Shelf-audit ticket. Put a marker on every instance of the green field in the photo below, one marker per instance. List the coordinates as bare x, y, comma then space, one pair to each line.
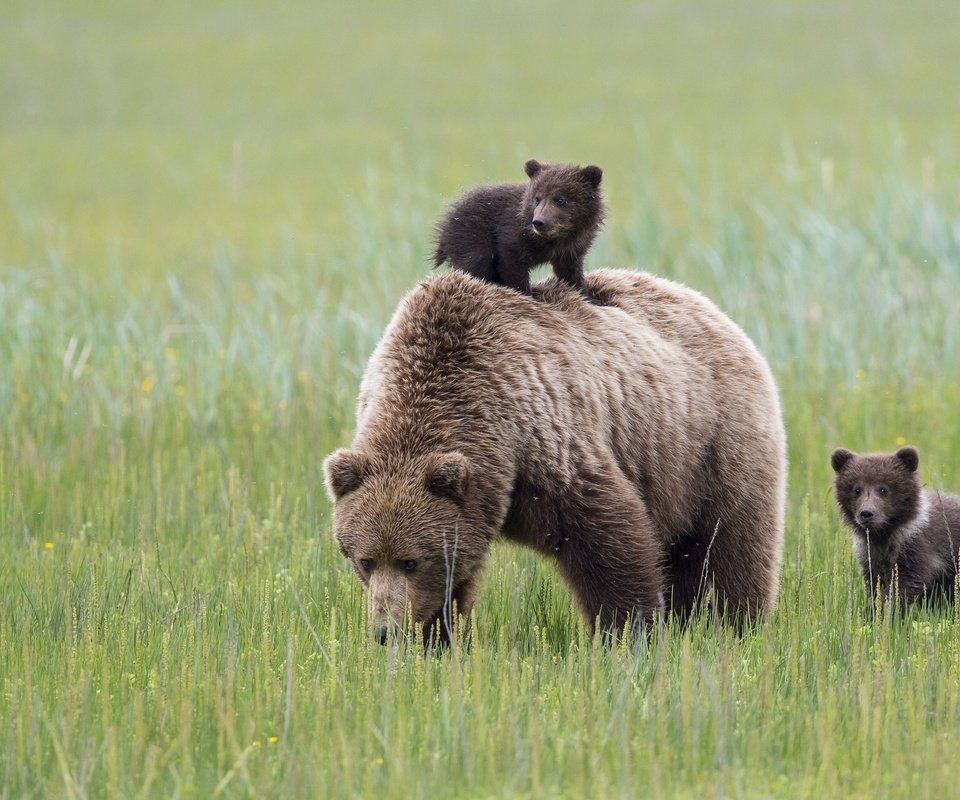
208, 213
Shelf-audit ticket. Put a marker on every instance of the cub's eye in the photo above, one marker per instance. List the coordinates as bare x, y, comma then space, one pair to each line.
560, 201
408, 565
537, 200
857, 491
882, 491
366, 564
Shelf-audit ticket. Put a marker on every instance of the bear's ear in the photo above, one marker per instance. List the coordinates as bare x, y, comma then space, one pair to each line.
532, 167
592, 175
839, 458
344, 471
448, 475
909, 457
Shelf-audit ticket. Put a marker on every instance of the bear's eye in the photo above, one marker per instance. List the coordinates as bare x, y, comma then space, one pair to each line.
882, 491
537, 199
857, 491
407, 565
366, 564
560, 201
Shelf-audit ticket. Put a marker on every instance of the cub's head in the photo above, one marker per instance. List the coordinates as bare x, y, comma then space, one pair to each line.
877, 492
410, 529
562, 200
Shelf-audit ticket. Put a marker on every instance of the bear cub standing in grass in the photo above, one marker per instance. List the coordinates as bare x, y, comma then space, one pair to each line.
898, 527
499, 233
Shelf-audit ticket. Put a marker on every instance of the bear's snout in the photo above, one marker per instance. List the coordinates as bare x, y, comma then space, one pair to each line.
866, 514
381, 633
387, 604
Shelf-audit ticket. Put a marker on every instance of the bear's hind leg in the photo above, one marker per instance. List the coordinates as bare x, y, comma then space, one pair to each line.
685, 575
512, 272
738, 561
608, 551
480, 264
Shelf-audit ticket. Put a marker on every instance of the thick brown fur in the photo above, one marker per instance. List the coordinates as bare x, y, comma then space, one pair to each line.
905, 537
500, 233
639, 445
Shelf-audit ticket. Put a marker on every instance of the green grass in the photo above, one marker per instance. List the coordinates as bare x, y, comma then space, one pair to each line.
207, 215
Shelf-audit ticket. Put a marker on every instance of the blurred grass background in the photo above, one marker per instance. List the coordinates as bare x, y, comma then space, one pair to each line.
159, 132
208, 213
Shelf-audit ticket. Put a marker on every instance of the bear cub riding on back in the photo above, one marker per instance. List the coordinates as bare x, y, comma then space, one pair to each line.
500, 233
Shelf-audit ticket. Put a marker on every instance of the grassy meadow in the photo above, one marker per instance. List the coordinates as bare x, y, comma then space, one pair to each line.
208, 212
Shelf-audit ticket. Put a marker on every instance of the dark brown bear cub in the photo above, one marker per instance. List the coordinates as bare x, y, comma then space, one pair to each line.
900, 530
500, 233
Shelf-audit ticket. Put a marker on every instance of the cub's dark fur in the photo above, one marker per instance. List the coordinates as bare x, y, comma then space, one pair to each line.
899, 529
500, 233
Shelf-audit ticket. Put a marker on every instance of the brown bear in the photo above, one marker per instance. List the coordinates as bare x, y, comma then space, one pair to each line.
500, 233
638, 444
903, 535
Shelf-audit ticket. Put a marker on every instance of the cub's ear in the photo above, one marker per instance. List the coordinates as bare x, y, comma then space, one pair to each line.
909, 457
448, 475
592, 175
532, 167
839, 458
344, 471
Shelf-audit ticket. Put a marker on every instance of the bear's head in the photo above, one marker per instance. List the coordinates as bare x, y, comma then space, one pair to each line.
410, 530
877, 492
561, 200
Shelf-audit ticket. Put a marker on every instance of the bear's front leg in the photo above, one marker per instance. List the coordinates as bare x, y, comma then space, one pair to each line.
455, 613
569, 269
608, 551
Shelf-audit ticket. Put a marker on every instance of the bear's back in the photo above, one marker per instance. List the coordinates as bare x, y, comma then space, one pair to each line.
658, 380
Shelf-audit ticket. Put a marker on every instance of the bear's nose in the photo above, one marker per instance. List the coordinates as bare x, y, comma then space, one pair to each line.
381, 633
539, 222
865, 514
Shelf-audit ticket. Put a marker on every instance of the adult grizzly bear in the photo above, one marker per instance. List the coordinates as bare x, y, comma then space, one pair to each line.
639, 444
